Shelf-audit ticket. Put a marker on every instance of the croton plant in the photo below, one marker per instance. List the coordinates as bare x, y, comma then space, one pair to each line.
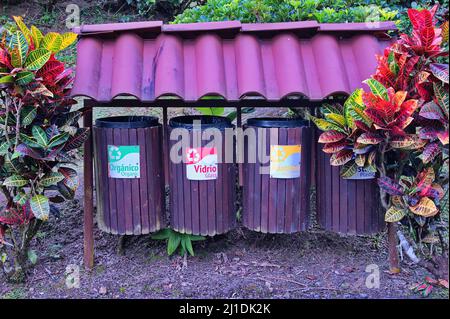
400, 128
39, 137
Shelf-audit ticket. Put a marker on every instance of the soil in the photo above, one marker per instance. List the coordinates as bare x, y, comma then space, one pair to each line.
240, 264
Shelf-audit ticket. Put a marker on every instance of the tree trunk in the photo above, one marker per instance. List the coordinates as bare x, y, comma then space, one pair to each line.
394, 264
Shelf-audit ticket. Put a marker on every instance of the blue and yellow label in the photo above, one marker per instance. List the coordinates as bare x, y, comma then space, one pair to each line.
285, 161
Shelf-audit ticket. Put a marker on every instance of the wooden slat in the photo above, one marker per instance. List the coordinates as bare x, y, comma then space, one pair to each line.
255, 195
265, 181
143, 189
249, 192
135, 193
335, 179
120, 200
151, 182
273, 191
343, 208
127, 207
160, 182
360, 207
187, 201
172, 203
302, 138
109, 140
281, 187
178, 188
351, 197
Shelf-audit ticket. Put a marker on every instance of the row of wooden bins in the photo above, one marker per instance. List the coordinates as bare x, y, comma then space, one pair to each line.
278, 159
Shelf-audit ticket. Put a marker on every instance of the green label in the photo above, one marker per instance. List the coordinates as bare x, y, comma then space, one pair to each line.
124, 161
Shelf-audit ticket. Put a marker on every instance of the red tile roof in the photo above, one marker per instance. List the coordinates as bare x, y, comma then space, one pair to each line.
150, 60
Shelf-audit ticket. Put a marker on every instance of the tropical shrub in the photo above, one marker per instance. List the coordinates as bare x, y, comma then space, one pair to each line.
39, 137
400, 128
176, 240
298, 10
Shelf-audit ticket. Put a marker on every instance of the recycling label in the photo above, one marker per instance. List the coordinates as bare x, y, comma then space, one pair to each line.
124, 161
367, 172
201, 163
285, 161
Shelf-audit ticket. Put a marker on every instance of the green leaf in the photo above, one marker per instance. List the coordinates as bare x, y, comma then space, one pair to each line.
4, 147
183, 246
19, 45
15, 181
29, 141
24, 77
189, 246
173, 243
32, 256
442, 97
336, 119
329, 108
36, 35
211, 110
58, 139
394, 215
162, 234
40, 206
37, 58
354, 101
7, 79
52, 41
377, 88
325, 125
196, 237
22, 26
28, 114
21, 198
67, 39
51, 178
40, 136
348, 169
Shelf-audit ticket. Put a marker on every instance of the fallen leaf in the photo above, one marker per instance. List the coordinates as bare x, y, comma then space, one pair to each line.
443, 283
103, 290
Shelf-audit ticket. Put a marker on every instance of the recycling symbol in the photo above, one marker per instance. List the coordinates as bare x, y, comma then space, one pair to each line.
114, 153
193, 155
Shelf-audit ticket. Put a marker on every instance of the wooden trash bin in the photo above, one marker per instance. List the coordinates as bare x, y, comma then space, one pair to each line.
202, 184
347, 206
276, 190
129, 174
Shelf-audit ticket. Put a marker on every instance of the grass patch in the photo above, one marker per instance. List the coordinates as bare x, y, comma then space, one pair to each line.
16, 293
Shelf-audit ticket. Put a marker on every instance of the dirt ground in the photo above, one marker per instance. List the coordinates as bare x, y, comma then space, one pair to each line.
240, 264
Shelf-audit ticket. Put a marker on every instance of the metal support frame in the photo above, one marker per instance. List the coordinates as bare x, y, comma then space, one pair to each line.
164, 104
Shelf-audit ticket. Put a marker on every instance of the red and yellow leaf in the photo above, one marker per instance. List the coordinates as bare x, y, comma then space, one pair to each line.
331, 148
331, 137
341, 157
425, 208
370, 138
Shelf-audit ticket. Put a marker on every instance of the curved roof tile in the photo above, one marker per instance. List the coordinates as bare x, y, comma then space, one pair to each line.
149, 60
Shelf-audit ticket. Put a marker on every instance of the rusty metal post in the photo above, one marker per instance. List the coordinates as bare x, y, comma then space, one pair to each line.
240, 165
394, 265
166, 151
88, 193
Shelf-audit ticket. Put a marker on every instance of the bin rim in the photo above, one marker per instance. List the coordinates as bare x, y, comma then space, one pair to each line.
133, 121
276, 122
207, 121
